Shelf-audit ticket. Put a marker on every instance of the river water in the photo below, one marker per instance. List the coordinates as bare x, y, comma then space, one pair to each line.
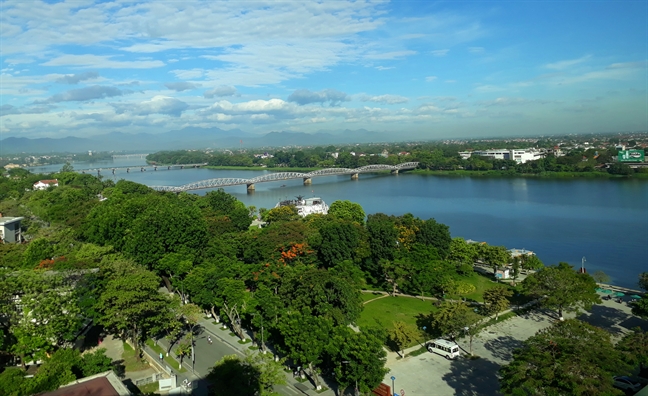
605, 221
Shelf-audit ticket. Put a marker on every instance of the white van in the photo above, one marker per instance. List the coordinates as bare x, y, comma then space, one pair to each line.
444, 348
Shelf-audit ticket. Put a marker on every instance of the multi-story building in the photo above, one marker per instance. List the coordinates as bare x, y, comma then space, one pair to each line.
10, 229
518, 155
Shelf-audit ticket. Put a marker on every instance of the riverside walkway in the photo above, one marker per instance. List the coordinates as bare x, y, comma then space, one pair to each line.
277, 176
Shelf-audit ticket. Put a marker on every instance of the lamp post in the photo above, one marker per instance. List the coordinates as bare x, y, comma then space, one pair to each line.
357, 391
393, 387
583, 265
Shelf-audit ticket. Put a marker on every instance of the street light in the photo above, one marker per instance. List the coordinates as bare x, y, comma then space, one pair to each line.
357, 391
263, 351
393, 387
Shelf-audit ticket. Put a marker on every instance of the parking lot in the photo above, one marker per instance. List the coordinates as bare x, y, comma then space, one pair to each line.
432, 374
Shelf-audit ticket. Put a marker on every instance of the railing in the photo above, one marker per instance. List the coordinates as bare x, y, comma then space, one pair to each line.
224, 182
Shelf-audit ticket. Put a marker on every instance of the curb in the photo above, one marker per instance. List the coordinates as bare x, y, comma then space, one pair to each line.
238, 348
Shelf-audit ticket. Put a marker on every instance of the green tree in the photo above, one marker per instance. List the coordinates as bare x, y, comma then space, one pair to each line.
640, 307
232, 376
634, 346
165, 227
462, 252
338, 243
402, 335
281, 214
601, 277
347, 210
59, 369
497, 299
95, 362
360, 358
436, 235
643, 281
46, 315
305, 339
382, 243
568, 358
451, 318
13, 382
37, 250
560, 287
325, 294
532, 263
131, 306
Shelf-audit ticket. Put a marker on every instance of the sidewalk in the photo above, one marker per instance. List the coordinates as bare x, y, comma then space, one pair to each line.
292, 386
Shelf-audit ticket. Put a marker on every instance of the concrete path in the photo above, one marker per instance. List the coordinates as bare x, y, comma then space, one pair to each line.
420, 374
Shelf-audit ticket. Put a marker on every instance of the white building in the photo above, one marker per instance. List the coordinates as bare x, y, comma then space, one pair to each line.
44, 184
518, 155
10, 229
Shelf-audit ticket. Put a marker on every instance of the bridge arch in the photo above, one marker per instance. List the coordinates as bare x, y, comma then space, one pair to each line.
225, 182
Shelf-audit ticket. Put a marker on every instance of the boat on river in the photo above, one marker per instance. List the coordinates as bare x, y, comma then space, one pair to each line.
306, 206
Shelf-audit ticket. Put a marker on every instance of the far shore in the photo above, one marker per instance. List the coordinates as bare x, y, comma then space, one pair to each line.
457, 173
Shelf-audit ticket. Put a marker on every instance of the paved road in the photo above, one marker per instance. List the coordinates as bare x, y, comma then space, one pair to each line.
431, 374
223, 344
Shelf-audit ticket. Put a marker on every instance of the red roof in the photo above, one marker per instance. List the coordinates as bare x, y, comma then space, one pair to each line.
96, 387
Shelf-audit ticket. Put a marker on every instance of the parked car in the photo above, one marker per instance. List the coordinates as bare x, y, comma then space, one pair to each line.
626, 383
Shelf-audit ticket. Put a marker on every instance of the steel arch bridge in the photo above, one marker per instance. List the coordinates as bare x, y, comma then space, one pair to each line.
230, 181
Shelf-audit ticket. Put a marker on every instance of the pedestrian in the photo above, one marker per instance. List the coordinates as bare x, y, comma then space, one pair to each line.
161, 357
209, 340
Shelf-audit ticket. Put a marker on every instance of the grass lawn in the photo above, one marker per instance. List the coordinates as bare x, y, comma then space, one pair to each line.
149, 388
168, 359
130, 363
386, 310
370, 296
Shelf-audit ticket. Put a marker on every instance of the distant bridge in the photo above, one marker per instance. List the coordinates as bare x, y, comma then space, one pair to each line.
307, 177
141, 168
117, 156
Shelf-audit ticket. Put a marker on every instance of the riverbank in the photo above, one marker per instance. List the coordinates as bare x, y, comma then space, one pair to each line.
259, 168
543, 175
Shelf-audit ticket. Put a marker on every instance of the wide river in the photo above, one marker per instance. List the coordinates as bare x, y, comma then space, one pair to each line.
605, 221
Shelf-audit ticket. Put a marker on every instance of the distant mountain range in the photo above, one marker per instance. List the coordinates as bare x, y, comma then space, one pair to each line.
186, 138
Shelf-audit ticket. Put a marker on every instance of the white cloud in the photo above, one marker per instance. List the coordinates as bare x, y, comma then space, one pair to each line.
476, 50
84, 94
390, 55
181, 86
386, 99
157, 105
441, 52
221, 91
76, 78
430, 78
560, 65
101, 61
304, 96
188, 74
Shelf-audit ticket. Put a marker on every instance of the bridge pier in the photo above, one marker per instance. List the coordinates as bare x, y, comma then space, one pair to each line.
308, 181
354, 176
250, 187
394, 171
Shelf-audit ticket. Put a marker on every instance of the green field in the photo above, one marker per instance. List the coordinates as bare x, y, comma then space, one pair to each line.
370, 296
385, 311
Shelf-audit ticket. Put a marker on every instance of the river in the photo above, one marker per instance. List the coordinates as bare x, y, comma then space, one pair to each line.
605, 221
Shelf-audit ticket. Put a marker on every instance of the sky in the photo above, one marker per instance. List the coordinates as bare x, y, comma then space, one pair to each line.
416, 69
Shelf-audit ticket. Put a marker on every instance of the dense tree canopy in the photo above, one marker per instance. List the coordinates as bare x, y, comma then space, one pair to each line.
568, 358
561, 288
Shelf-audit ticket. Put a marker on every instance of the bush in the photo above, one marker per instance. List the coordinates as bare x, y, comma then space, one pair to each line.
464, 287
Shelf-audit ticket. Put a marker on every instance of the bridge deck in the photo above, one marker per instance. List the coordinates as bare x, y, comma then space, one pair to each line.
223, 182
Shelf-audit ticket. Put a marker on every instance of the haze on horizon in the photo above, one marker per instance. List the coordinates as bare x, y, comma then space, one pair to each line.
422, 70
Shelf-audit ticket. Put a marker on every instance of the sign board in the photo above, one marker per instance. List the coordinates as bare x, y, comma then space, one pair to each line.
631, 156
382, 390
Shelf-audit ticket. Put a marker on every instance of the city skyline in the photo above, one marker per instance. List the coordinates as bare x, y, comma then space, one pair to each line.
416, 69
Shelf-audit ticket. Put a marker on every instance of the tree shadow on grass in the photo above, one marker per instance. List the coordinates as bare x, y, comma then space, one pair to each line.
503, 347
473, 377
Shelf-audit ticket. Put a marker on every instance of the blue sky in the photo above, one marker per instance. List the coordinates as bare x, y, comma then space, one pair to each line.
418, 69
